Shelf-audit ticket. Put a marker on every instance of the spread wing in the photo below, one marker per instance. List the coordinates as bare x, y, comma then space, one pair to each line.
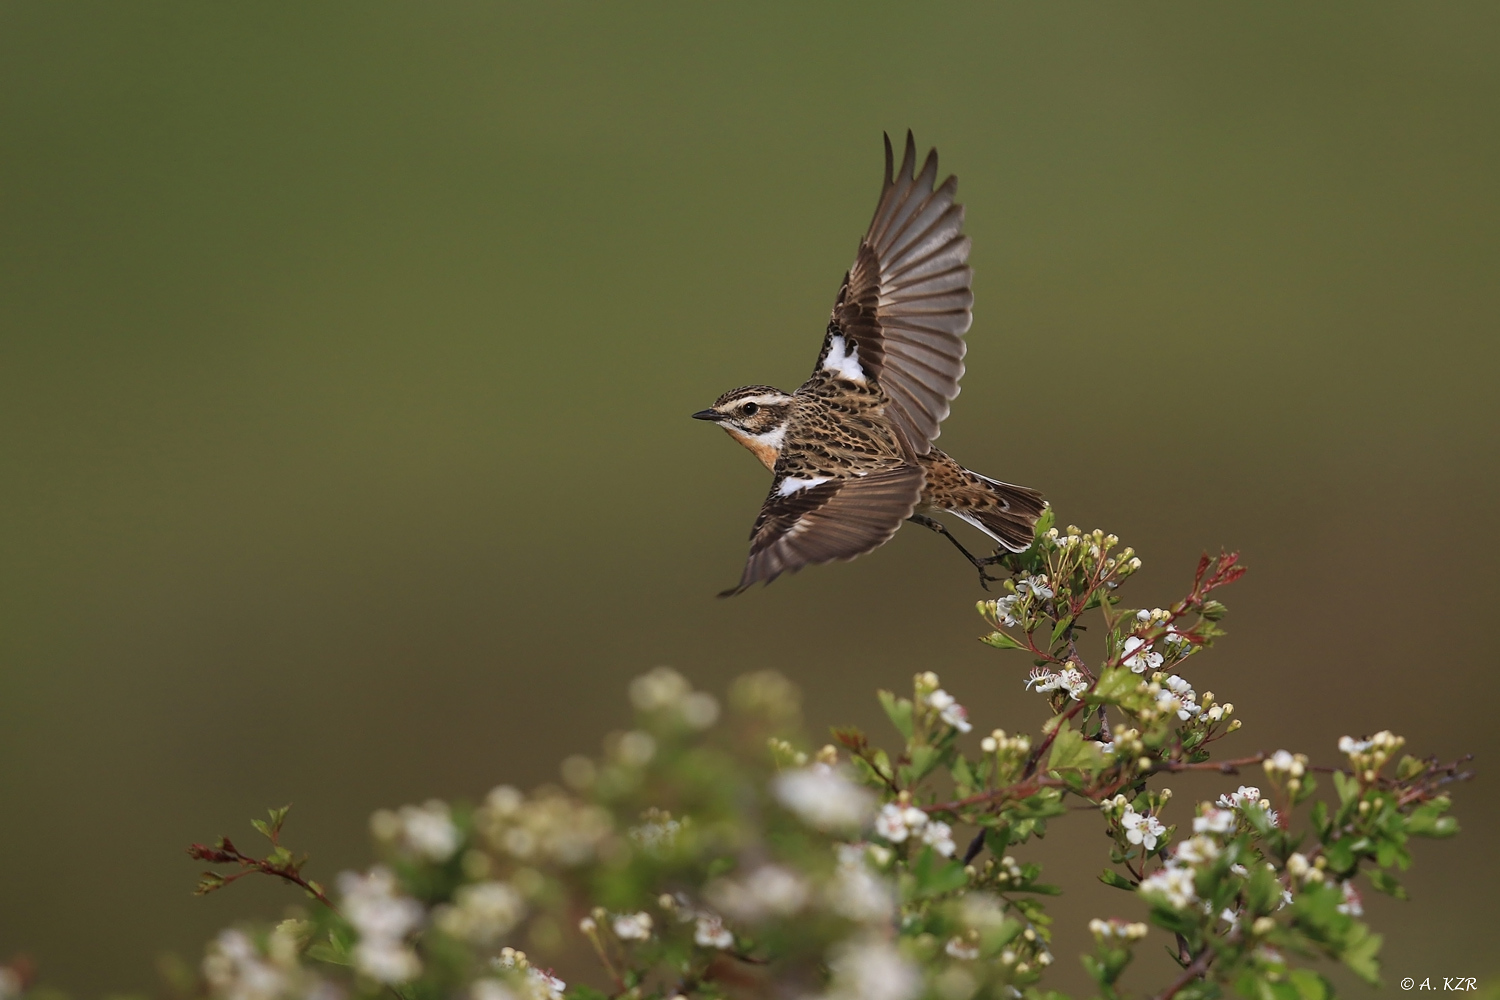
905, 305
837, 519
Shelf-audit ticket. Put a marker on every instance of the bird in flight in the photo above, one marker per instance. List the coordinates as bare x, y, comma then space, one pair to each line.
851, 451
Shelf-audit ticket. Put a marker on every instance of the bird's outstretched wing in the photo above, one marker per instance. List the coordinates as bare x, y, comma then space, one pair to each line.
836, 519
905, 305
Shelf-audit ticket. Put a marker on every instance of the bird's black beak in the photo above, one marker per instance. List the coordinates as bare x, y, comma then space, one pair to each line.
708, 415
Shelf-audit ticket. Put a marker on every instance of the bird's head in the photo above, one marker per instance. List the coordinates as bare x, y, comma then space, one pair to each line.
756, 416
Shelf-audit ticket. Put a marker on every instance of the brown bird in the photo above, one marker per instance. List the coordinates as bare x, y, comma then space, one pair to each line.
851, 450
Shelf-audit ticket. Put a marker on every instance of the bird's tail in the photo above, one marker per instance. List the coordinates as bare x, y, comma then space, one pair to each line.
1011, 515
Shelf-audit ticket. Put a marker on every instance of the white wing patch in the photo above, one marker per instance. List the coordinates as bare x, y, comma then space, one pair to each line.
791, 484
843, 360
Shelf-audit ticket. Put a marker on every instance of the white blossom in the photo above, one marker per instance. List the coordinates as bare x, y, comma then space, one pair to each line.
1352, 904
1037, 585
383, 919
939, 836
769, 890
860, 894
709, 932
1005, 609
825, 798
1069, 680
1141, 828
895, 822
234, 968
1196, 850
1174, 884
1214, 821
959, 948
872, 970
949, 710
1139, 656
633, 926
482, 912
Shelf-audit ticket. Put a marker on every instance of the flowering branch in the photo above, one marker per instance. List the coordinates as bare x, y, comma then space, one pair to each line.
280, 863
702, 858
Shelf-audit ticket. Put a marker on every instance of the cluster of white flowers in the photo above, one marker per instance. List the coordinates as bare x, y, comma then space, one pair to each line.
1173, 885
824, 797
1116, 930
872, 969
382, 918
551, 826
658, 833
949, 710
235, 969
1247, 795
1369, 755
1139, 656
1006, 870
1035, 586
1284, 763
1176, 696
664, 690
632, 926
426, 831
1003, 610
482, 912
858, 892
1214, 820
896, 823
1069, 679
1353, 905
709, 932
997, 742
1141, 828
768, 891
964, 948
539, 984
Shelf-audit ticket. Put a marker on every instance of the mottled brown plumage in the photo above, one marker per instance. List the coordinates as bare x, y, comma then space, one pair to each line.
851, 450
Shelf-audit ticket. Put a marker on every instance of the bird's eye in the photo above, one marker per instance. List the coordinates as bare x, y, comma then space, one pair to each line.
749, 409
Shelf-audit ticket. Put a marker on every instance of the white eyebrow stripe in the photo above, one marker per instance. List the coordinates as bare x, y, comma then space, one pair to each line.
791, 484
843, 360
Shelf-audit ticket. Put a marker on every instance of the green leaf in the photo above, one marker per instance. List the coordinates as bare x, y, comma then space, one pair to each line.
1000, 640
1360, 954
1061, 627
1320, 820
1387, 883
1310, 985
1071, 750
898, 710
1114, 878
1428, 821
923, 760
1347, 785
1263, 893
935, 875
1115, 687
963, 777
278, 817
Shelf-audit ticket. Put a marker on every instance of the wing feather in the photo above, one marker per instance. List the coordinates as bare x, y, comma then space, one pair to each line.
906, 302
839, 519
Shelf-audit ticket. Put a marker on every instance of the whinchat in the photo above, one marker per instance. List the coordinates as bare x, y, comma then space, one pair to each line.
851, 450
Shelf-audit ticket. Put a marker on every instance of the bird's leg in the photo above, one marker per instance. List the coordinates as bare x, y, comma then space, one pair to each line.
979, 564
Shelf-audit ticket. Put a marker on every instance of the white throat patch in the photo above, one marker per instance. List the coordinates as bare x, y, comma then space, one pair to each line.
843, 360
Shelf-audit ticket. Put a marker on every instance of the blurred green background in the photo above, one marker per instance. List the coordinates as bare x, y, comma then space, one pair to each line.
347, 350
